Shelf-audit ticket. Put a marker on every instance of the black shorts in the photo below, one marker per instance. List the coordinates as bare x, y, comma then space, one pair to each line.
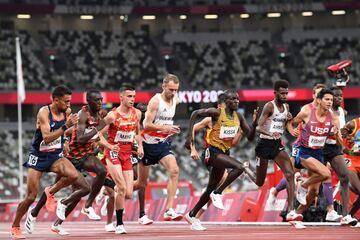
331, 151
79, 163
153, 153
268, 148
211, 153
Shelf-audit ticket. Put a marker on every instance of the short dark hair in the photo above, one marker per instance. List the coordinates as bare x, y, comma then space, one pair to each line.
280, 84
90, 92
221, 98
228, 92
60, 91
124, 87
324, 91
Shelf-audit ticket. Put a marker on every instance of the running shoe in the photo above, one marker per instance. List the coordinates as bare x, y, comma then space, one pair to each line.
110, 227
30, 222
270, 202
333, 216
120, 229
16, 233
195, 223
90, 212
59, 230
217, 200
348, 220
60, 210
171, 215
293, 216
100, 197
50, 200
145, 220
103, 210
301, 193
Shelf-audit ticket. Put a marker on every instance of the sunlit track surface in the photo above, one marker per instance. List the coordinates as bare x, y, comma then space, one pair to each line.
181, 230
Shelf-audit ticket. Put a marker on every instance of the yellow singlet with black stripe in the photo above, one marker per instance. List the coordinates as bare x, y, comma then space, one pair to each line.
223, 131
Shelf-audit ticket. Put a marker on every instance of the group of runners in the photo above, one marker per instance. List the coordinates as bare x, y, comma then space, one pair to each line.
132, 139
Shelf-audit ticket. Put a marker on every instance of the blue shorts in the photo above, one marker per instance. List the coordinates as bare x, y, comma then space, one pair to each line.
153, 153
307, 153
42, 161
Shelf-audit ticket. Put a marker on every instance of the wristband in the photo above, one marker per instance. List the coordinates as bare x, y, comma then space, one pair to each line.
64, 127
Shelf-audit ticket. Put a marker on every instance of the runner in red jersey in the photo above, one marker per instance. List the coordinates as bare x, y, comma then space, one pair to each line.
318, 124
123, 130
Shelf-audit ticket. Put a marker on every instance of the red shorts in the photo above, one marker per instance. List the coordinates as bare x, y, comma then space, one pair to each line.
123, 157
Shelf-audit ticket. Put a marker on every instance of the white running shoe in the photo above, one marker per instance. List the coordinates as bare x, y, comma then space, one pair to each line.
100, 197
301, 193
348, 220
59, 230
103, 210
145, 220
120, 229
270, 202
293, 216
357, 225
171, 215
195, 223
217, 200
110, 227
90, 212
333, 216
30, 222
60, 210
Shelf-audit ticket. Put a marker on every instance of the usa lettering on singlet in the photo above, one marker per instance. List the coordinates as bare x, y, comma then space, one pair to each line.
276, 122
342, 122
164, 116
315, 133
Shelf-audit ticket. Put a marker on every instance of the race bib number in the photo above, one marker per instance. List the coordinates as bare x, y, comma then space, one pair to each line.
316, 141
347, 162
207, 154
54, 145
87, 130
32, 161
278, 127
134, 160
124, 136
113, 154
294, 151
228, 132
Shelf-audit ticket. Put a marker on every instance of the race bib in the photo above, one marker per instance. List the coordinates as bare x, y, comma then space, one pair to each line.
113, 155
124, 136
207, 155
356, 147
277, 127
228, 132
87, 130
54, 145
32, 161
134, 160
317, 141
294, 151
347, 162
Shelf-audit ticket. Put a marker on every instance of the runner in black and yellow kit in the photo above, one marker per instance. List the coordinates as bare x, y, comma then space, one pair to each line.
226, 123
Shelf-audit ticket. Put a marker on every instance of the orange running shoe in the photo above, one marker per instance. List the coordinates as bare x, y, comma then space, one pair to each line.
50, 200
16, 233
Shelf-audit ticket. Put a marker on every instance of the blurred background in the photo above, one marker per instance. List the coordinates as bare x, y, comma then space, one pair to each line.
210, 45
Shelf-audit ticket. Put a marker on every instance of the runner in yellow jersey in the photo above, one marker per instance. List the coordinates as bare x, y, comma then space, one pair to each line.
226, 124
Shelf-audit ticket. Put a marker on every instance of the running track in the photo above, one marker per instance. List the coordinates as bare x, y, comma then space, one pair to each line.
181, 230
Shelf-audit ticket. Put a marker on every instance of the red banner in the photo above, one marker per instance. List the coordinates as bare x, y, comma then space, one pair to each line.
191, 96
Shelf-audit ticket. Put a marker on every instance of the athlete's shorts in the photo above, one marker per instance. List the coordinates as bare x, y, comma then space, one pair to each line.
210, 153
294, 150
268, 148
78, 163
109, 183
42, 161
123, 157
307, 153
352, 163
331, 151
153, 153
